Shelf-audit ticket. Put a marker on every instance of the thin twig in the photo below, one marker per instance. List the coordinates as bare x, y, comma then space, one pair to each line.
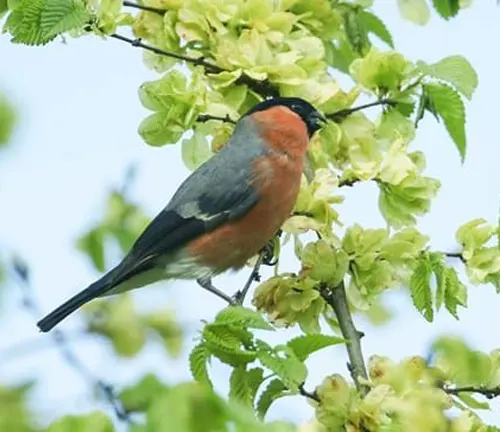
264, 88
206, 117
337, 299
239, 297
144, 8
489, 393
342, 114
62, 343
310, 395
457, 255
198, 61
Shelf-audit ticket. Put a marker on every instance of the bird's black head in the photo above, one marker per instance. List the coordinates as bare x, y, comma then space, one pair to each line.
311, 116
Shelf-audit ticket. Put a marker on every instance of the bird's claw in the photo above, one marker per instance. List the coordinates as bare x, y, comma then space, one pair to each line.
268, 257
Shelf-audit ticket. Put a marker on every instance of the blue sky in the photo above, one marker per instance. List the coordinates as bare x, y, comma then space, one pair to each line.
77, 133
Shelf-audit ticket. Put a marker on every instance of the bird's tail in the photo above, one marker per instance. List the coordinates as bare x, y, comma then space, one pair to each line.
94, 290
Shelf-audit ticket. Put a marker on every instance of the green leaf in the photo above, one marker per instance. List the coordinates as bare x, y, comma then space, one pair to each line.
355, 31
225, 344
240, 316
450, 108
198, 361
24, 23
304, 346
63, 15
138, 397
415, 11
455, 70
275, 390
469, 400
421, 289
446, 8
284, 363
195, 151
437, 264
93, 422
456, 292
3, 7
373, 24
243, 384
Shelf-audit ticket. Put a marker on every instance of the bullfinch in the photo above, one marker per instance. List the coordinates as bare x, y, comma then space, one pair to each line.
225, 212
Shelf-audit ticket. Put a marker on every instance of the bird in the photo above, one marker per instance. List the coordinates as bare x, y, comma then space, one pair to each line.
224, 212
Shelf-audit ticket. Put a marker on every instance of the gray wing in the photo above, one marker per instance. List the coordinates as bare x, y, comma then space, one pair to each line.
220, 190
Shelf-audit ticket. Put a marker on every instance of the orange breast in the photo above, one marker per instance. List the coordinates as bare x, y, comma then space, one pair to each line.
277, 178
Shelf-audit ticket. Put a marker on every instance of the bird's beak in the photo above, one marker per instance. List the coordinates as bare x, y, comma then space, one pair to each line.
317, 119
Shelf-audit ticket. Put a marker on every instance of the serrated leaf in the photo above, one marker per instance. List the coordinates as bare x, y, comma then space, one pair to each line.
456, 292
60, 16
449, 106
373, 24
455, 70
304, 346
438, 268
243, 384
198, 361
240, 316
421, 289
225, 344
355, 31
23, 23
284, 363
273, 391
446, 8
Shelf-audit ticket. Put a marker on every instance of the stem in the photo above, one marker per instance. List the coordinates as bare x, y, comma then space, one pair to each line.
144, 8
342, 114
264, 88
206, 117
240, 295
337, 299
489, 393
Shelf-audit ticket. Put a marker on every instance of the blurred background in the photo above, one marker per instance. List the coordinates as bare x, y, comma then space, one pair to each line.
74, 143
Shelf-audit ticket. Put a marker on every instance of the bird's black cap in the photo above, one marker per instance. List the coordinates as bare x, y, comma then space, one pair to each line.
307, 112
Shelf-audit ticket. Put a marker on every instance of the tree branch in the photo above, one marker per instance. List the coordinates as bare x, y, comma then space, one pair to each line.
310, 395
144, 8
62, 343
264, 88
457, 255
206, 117
337, 299
342, 114
489, 393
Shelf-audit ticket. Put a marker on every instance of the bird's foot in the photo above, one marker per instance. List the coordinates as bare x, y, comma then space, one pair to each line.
206, 284
267, 252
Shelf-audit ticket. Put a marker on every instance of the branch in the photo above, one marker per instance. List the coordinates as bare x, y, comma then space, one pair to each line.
206, 117
489, 393
457, 255
145, 8
342, 114
62, 343
264, 88
337, 299
310, 395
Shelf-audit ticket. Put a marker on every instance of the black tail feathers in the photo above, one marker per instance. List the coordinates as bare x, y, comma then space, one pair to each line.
67, 308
